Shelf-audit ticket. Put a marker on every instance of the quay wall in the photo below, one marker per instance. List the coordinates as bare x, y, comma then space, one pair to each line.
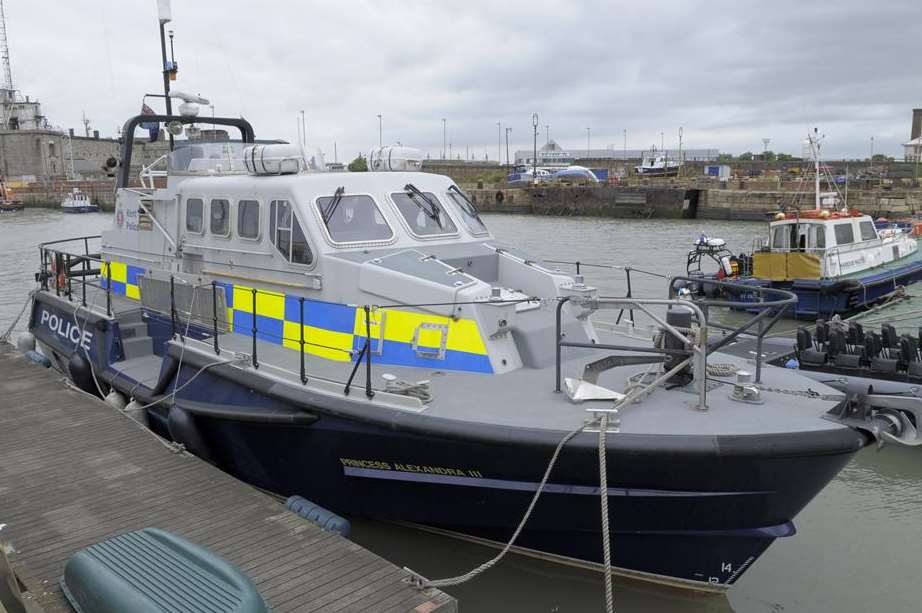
49, 194
602, 201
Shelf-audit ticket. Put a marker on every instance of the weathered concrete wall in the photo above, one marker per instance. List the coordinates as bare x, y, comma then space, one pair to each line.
756, 205
42, 154
600, 201
49, 194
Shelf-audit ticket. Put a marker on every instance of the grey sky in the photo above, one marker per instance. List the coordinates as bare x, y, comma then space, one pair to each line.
728, 73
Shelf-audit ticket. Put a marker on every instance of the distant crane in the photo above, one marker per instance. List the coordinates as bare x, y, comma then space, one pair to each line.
6, 74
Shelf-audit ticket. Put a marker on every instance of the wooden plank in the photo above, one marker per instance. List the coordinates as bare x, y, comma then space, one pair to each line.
74, 471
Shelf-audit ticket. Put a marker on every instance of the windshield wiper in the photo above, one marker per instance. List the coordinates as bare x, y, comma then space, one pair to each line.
337, 197
434, 211
469, 206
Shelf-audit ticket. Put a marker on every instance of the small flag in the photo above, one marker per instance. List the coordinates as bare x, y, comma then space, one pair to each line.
152, 127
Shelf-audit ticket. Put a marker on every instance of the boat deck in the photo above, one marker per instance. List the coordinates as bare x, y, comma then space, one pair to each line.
74, 472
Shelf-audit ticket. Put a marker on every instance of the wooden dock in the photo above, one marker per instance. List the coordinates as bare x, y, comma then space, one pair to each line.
74, 471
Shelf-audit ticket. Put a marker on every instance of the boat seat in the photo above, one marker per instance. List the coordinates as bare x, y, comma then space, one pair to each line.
822, 333
909, 355
889, 339
151, 571
838, 349
884, 365
855, 337
805, 351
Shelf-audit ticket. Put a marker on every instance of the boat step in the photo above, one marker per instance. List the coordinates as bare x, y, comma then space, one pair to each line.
137, 347
132, 329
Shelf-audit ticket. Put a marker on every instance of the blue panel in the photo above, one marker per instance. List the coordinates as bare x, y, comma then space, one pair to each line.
117, 287
326, 315
402, 354
228, 293
133, 273
268, 329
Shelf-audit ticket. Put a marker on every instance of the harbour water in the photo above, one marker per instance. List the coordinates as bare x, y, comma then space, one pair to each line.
857, 542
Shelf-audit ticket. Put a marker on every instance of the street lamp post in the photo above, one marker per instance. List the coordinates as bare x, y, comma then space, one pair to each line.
625, 143
380, 131
444, 139
534, 159
547, 133
499, 142
508, 130
588, 147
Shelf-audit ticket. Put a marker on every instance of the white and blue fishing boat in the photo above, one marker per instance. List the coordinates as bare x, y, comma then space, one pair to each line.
833, 258
78, 202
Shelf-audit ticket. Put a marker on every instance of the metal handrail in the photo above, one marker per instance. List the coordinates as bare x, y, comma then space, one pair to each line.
770, 310
699, 350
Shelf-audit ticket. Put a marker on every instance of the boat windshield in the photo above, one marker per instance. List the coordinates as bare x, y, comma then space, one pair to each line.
353, 219
469, 213
200, 157
421, 222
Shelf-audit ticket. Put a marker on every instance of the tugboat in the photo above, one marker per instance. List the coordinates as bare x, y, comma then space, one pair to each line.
363, 340
833, 258
78, 202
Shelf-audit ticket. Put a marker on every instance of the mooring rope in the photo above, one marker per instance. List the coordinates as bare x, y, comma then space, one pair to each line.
9, 331
603, 492
426, 583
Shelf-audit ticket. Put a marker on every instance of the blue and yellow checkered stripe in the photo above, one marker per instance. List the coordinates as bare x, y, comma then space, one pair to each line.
124, 278
337, 331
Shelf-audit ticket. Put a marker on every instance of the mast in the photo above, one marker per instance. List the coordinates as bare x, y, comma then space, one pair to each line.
815, 146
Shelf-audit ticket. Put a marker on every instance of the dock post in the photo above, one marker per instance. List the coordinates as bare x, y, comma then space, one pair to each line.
301, 309
214, 316
255, 360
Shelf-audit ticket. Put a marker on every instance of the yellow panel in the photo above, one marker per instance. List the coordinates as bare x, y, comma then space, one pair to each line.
268, 304
399, 326
803, 266
133, 291
785, 266
771, 266
313, 337
119, 271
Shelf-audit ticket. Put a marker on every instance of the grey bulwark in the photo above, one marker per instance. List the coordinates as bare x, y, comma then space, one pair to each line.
74, 472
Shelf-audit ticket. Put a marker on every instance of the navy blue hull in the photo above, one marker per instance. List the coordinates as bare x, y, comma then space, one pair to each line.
826, 297
695, 508
698, 515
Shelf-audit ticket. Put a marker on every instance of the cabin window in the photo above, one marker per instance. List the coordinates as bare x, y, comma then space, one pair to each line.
248, 219
286, 234
779, 236
195, 215
819, 236
353, 219
423, 221
469, 214
868, 233
844, 233
220, 212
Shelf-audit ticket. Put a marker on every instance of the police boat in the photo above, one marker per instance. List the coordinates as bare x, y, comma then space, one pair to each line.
361, 339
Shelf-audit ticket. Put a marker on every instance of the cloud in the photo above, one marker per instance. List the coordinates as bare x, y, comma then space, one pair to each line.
729, 73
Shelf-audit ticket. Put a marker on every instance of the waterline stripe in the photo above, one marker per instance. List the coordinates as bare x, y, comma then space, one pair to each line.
527, 486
